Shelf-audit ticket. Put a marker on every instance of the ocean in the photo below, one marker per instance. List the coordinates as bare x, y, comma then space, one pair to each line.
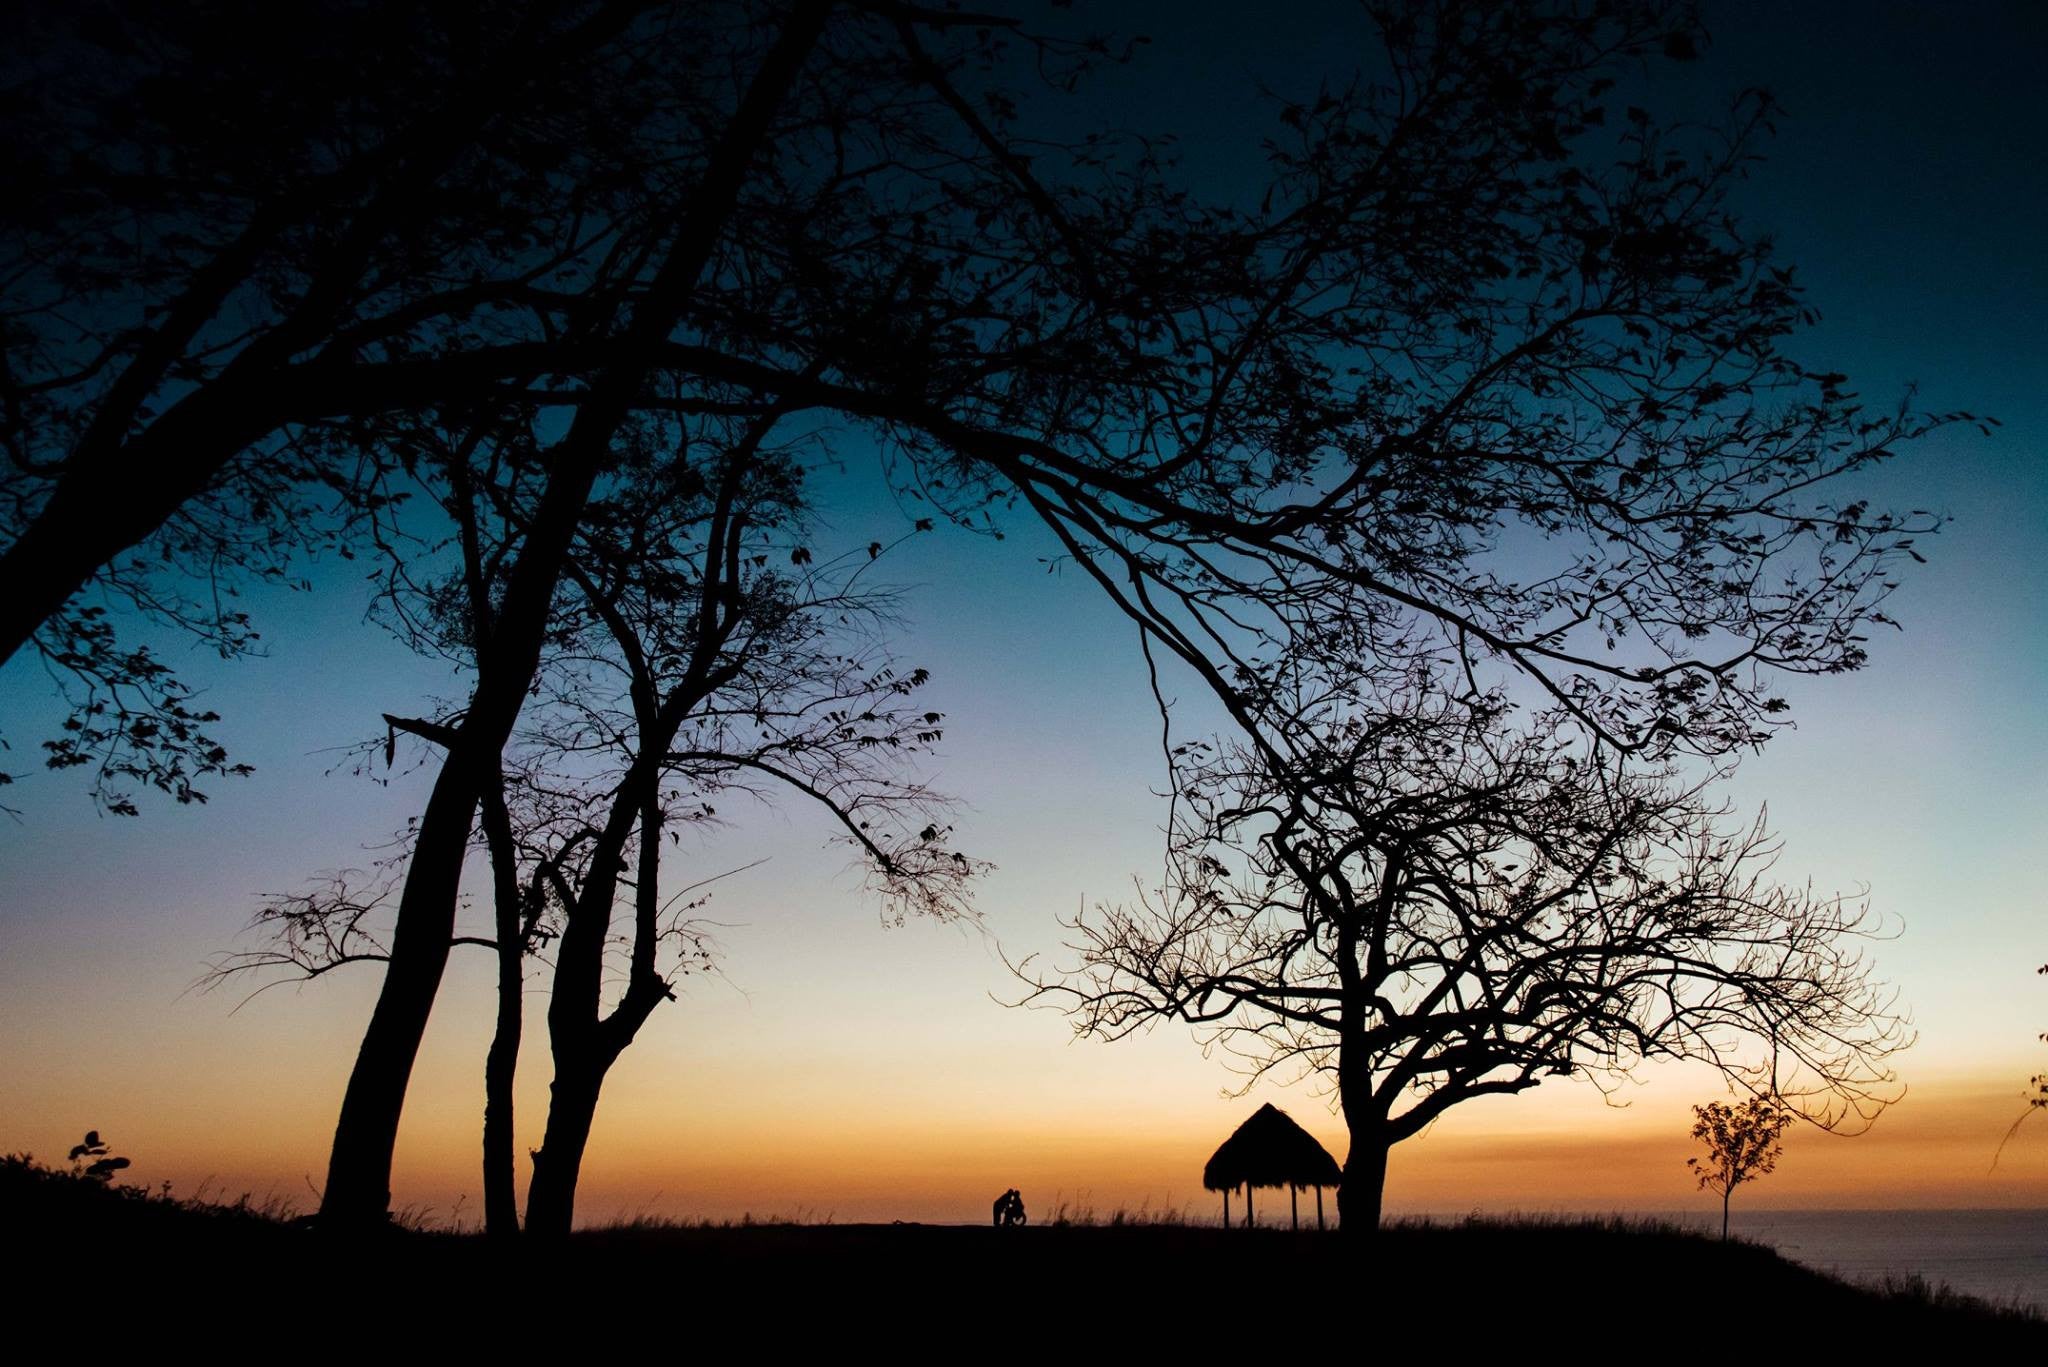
1997, 1255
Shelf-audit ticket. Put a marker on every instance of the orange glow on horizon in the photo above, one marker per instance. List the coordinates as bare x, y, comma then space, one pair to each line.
1563, 1154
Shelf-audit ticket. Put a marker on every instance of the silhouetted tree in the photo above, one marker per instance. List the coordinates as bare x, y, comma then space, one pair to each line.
685, 677
1434, 905
1469, 299
1470, 306
1742, 1145
796, 135
696, 649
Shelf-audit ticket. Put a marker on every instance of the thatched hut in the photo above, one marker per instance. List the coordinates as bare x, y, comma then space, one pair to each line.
1270, 1150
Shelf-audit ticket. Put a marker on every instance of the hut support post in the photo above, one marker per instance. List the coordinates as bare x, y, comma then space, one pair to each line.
1226, 1207
1319, 1206
1294, 1203
1249, 1218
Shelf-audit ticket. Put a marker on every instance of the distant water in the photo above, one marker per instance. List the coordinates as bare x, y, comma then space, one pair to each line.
1999, 1255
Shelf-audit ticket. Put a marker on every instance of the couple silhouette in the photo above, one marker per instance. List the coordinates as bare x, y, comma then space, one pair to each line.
1009, 1209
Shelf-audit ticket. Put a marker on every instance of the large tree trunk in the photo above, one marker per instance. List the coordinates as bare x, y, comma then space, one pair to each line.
585, 1044
573, 1027
1361, 1193
558, 1163
358, 1191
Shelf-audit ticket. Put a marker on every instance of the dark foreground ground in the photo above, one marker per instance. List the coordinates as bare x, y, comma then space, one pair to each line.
100, 1266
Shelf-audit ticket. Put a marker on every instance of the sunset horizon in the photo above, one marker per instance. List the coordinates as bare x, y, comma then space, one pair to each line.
626, 622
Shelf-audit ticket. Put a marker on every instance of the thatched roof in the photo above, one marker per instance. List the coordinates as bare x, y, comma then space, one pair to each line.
1270, 1150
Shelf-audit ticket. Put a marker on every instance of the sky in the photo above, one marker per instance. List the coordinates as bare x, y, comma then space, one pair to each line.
838, 1068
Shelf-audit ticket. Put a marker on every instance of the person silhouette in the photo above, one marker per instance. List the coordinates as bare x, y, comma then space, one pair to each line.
1002, 1207
1016, 1208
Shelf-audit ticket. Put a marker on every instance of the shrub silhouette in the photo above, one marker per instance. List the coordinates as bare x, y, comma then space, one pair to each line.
103, 1167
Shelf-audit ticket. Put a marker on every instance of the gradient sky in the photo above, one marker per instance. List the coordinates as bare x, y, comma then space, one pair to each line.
839, 1068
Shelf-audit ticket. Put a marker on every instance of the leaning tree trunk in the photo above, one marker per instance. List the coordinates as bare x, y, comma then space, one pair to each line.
358, 1191
558, 1163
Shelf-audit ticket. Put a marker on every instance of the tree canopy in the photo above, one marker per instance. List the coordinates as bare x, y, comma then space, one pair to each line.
1471, 303
1433, 903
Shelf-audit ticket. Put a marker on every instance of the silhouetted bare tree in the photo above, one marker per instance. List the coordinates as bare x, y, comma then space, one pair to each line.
1434, 905
1469, 307
697, 648
684, 679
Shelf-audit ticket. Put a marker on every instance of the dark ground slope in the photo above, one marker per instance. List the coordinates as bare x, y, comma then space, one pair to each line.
107, 1264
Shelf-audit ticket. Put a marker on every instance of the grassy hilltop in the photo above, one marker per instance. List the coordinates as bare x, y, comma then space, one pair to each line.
1596, 1290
